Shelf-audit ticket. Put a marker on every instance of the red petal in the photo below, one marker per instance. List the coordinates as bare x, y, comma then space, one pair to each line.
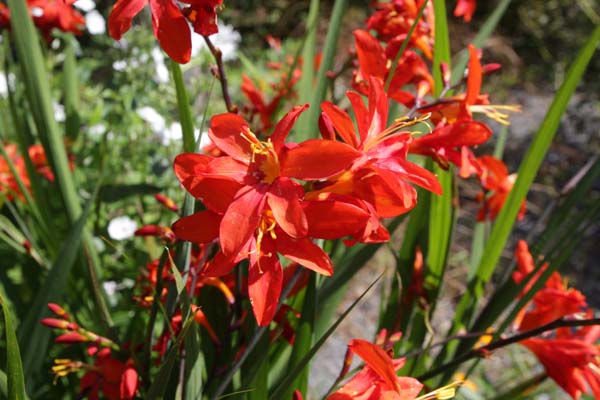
317, 159
304, 252
413, 173
216, 194
389, 195
284, 126
201, 227
129, 382
474, 77
332, 219
218, 266
264, 283
378, 107
190, 165
226, 133
462, 133
377, 359
241, 219
360, 113
121, 15
172, 30
284, 199
371, 58
341, 122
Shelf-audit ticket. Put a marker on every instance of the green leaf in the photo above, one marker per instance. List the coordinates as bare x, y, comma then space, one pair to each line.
305, 86
304, 339
14, 367
70, 82
289, 378
307, 124
114, 192
441, 49
185, 110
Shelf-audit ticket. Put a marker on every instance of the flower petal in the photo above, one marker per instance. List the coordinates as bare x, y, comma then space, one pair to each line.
284, 200
121, 16
377, 359
304, 252
265, 277
341, 122
317, 159
284, 126
226, 133
172, 30
241, 219
201, 227
333, 219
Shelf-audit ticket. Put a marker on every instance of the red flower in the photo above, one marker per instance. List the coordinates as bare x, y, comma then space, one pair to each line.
381, 175
114, 378
170, 26
4, 16
375, 62
465, 9
392, 20
571, 360
203, 15
497, 183
8, 183
377, 379
60, 14
254, 206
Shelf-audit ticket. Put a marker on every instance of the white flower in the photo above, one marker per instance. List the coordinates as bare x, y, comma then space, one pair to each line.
94, 22
120, 65
227, 40
59, 112
156, 121
85, 5
162, 73
121, 228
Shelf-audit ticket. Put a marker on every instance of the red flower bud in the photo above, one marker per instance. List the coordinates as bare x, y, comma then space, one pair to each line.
163, 232
71, 337
167, 202
59, 324
58, 311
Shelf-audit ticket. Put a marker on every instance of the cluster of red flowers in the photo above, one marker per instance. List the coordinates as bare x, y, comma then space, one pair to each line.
265, 197
170, 22
108, 375
48, 15
571, 357
8, 182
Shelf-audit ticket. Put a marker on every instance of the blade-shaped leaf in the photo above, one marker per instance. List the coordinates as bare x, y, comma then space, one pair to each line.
14, 377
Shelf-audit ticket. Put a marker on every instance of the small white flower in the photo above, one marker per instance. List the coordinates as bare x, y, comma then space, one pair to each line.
156, 121
121, 228
95, 23
120, 65
227, 40
59, 112
85, 5
162, 72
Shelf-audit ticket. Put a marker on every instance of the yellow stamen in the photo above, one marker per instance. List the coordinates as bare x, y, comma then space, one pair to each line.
443, 393
495, 111
396, 129
270, 166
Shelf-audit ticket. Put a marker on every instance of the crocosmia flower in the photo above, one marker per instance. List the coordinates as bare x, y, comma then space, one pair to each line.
169, 24
255, 203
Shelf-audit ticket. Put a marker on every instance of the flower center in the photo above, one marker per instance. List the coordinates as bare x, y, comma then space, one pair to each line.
264, 160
